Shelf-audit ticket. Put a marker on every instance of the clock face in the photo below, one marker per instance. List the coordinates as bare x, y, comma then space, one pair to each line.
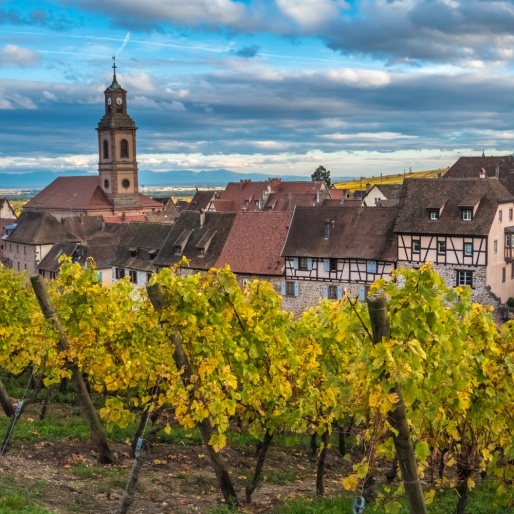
119, 100
109, 101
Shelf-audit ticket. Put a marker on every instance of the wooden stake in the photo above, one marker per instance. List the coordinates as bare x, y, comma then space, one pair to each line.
97, 434
182, 363
377, 306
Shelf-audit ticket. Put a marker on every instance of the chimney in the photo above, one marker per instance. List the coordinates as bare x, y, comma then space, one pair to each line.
122, 216
497, 170
326, 231
202, 218
368, 187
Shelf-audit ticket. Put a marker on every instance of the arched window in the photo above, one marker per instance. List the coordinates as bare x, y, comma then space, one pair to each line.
124, 148
106, 149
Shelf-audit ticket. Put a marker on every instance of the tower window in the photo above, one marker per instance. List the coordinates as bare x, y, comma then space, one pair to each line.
124, 152
125, 183
106, 149
106, 184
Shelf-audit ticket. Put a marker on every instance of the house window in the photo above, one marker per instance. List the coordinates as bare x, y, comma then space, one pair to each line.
441, 247
133, 276
124, 148
244, 282
302, 263
24, 250
495, 246
371, 266
500, 216
333, 264
507, 241
512, 271
504, 274
290, 288
468, 249
467, 214
416, 246
106, 149
434, 215
510, 214
464, 278
119, 273
332, 292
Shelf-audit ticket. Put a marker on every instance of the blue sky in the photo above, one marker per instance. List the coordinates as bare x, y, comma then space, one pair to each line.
362, 87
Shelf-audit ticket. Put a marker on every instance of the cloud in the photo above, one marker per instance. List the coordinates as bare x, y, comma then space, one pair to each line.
54, 20
194, 13
12, 56
310, 15
248, 52
465, 33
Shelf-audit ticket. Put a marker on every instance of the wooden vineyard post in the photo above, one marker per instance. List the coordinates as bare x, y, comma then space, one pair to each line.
97, 434
377, 307
182, 363
5, 401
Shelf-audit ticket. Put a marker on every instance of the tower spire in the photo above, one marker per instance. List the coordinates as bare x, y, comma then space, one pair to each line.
114, 84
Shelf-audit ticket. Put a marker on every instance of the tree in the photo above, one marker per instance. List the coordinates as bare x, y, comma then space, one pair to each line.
322, 173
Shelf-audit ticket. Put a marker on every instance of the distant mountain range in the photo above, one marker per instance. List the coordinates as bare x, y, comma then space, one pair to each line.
40, 179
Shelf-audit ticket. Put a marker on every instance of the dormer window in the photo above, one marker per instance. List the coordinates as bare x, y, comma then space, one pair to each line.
181, 241
205, 242
434, 215
133, 251
467, 214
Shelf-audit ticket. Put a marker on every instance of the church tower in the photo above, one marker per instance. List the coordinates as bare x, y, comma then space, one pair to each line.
117, 164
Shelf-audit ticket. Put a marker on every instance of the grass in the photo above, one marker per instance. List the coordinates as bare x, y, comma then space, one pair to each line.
16, 498
481, 501
397, 178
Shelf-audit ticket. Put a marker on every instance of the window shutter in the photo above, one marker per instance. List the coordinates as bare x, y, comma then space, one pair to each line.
362, 293
295, 263
309, 264
372, 266
283, 288
326, 265
296, 288
339, 292
325, 291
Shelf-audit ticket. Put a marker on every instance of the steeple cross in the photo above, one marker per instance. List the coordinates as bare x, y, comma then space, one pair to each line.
114, 69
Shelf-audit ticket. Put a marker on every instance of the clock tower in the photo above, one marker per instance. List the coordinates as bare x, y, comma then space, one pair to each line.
117, 164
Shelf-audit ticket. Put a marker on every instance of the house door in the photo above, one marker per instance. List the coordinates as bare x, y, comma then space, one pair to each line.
362, 293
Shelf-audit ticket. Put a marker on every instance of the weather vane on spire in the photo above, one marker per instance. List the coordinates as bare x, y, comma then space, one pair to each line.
114, 68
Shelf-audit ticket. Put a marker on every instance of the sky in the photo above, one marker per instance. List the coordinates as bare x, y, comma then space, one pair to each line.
279, 87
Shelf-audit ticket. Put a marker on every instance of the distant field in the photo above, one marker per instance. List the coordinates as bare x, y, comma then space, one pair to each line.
387, 179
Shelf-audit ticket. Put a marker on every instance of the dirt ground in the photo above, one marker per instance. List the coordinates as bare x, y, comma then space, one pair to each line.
66, 478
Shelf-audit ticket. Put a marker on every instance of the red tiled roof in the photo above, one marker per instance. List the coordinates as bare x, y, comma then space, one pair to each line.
70, 192
255, 242
284, 195
80, 193
125, 218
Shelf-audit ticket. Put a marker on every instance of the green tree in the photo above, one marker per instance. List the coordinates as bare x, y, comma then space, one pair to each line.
322, 173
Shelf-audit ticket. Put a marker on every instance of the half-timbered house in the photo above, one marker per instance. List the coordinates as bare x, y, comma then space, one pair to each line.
254, 244
463, 226
330, 249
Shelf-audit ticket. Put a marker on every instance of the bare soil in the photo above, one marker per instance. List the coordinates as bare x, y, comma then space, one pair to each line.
66, 478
